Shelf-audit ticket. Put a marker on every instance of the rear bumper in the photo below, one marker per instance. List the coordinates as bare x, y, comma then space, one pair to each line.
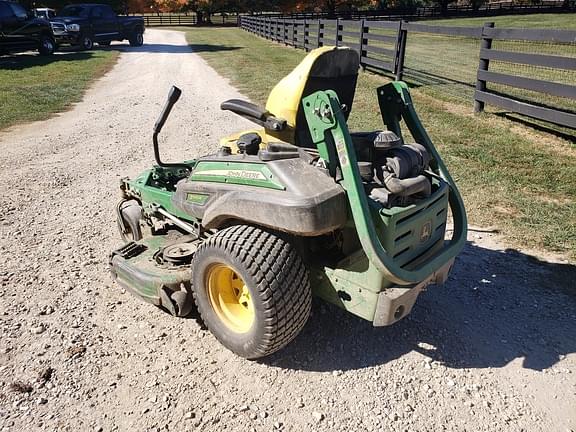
395, 303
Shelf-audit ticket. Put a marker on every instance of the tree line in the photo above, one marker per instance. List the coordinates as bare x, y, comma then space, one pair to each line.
206, 8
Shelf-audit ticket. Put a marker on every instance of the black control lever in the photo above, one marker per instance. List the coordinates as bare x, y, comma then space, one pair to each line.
173, 97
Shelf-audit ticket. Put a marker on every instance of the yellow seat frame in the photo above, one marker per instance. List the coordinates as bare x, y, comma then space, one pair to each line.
284, 101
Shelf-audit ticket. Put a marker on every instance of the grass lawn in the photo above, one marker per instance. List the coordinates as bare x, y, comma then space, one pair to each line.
446, 66
34, 87
565, 21
512, 177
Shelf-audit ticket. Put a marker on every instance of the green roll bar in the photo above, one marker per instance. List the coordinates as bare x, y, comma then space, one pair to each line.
331, 135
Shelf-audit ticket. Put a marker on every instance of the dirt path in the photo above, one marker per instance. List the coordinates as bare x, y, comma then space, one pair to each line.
492, 350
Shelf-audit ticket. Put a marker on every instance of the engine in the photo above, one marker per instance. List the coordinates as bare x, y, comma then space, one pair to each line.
393, 172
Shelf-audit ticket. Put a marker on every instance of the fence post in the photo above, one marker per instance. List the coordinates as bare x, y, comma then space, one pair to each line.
485, 43
320, 35
295, 34
400, 50
337, 30
305, 35
361, 39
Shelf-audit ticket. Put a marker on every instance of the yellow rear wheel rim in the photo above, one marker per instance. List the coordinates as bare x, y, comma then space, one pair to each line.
230, 298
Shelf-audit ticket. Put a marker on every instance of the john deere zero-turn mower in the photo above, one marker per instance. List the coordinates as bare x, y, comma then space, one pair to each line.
296, 207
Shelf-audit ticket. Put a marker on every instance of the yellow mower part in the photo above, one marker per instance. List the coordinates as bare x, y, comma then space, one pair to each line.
286, 96
230, 298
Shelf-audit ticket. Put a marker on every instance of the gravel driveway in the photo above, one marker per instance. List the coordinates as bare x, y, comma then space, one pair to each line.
493, 350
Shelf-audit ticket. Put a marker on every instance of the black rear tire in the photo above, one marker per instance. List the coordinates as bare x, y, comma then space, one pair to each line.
276, 278
47, 46
137, 39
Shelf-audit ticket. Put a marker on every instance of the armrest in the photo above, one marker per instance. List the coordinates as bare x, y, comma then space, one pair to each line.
254, 113
244, 108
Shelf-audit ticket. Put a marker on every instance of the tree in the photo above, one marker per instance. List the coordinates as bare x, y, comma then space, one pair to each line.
443, 5
117, 5
257, 6
205, 8
476, 4
330, 6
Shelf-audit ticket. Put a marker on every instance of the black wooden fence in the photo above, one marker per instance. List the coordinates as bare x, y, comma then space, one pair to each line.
487, 53
186, 19
160, 20
452, 10
382, 46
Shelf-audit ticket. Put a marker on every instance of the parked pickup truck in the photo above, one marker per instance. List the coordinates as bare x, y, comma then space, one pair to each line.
21, 31
83, 24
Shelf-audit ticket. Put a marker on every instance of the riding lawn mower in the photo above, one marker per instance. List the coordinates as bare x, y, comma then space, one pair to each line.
299, 206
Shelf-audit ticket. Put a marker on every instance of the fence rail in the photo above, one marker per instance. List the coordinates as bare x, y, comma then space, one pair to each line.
489, 9
485, 76
185, 19
382, 47
169, 20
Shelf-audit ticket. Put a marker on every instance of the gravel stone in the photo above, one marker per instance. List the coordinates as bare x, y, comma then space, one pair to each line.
318, 417
509, 342
38, 329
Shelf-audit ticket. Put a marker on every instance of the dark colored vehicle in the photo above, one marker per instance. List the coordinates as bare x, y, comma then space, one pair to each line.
45, 13
21, 31
84, 24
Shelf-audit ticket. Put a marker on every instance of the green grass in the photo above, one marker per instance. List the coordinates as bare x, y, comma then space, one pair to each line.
34, 87
522, 181
455, 59
551, 21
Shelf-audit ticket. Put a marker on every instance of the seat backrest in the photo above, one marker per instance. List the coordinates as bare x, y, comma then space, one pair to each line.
325, 68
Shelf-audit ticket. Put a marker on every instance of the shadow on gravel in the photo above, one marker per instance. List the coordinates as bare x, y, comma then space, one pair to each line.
170, 49
496, 307
24, 61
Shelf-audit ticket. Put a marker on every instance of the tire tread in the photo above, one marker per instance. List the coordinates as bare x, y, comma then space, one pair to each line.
279, 275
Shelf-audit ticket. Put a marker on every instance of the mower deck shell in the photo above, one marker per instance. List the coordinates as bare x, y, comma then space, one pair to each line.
142, 276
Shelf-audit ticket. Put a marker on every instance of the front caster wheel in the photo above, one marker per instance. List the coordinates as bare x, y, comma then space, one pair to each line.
128, 216
251, 289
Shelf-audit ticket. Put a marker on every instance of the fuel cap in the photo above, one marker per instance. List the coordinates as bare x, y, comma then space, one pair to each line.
387, 140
